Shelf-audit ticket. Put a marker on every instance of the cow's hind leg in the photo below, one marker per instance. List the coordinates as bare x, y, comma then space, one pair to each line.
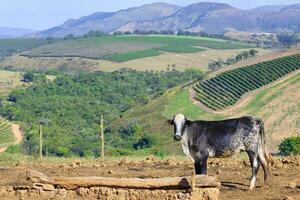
263, 161
255, 167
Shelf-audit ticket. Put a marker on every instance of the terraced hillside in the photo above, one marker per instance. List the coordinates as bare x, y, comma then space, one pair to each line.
6, 135
277, 105
124, 48
226, 89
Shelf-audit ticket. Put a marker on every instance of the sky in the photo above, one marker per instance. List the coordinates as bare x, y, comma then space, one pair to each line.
43, 14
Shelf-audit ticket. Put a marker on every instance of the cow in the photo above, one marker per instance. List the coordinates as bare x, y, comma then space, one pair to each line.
203, 139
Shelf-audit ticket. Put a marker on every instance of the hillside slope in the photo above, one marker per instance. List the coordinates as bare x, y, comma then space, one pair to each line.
217, 18
110, 21
278, 105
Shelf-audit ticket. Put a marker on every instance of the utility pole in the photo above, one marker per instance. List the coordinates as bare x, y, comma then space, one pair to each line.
101, 137
41, 141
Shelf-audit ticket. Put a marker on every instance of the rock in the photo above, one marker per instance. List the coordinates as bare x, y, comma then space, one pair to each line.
288, 198
96, 166
62, 193
292, 185
45, 187
21, 187
82, 191
63, 166
22, 193
171, 162
110, 172
124, 162
218, 171
151, 158
246, 163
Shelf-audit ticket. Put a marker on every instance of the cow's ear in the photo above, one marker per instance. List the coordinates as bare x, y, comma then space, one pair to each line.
169, 122
188, 121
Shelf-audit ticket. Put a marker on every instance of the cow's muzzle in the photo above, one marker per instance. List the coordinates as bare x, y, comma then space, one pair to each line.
177, 137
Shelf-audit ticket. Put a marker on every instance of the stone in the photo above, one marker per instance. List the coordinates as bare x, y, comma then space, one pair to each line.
45, 187
219, 171
291, 185
288, 198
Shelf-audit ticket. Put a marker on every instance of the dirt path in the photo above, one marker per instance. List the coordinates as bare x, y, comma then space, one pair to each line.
15, 128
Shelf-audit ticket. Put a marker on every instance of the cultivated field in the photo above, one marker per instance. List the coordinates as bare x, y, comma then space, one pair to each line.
6, 134
227, 88
124, 48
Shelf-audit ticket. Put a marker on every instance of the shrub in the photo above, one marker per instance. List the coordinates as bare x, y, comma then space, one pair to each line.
290, 146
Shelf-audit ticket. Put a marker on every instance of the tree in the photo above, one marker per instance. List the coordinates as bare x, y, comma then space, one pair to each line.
253, 52
215, 64
50, 40
287, 39
69, 37
28, 77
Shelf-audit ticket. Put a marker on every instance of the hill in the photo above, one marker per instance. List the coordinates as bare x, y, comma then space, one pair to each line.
124, 48
8, 32
204, 16
268, 8
140, 52
217, 18
110, 21
276, 104
70, 106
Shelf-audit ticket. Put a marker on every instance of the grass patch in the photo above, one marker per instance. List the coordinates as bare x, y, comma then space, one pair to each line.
181, 49
132, 55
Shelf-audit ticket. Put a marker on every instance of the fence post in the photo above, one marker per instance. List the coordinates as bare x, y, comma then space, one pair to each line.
41, 141
101, 137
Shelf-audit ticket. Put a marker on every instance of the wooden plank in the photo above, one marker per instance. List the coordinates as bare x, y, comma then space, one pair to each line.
73, 183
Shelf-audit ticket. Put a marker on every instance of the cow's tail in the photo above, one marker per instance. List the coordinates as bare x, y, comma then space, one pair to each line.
264, 146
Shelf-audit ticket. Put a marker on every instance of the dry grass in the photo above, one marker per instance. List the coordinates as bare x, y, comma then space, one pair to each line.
8, 81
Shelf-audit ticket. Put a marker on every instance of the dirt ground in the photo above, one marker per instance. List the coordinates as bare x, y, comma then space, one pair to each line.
234, 174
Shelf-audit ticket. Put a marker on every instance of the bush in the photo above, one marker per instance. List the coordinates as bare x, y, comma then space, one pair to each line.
290, 146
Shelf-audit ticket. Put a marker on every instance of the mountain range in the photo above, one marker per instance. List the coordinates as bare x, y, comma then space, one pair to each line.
7, 32
204, 16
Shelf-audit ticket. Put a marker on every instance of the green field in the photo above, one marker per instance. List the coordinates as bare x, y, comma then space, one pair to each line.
6, 135
124, 48
227, 88
10, 46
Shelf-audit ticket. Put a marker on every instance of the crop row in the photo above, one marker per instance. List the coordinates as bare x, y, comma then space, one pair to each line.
6, 135
227, 88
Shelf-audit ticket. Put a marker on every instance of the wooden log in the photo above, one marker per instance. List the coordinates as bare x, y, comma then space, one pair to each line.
73, 183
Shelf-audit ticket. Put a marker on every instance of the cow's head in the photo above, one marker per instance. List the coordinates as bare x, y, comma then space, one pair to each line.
179, 121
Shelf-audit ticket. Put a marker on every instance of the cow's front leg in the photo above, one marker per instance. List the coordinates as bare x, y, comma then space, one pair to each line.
201, 166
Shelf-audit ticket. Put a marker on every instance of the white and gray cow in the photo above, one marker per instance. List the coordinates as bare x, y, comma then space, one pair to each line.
203, 139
